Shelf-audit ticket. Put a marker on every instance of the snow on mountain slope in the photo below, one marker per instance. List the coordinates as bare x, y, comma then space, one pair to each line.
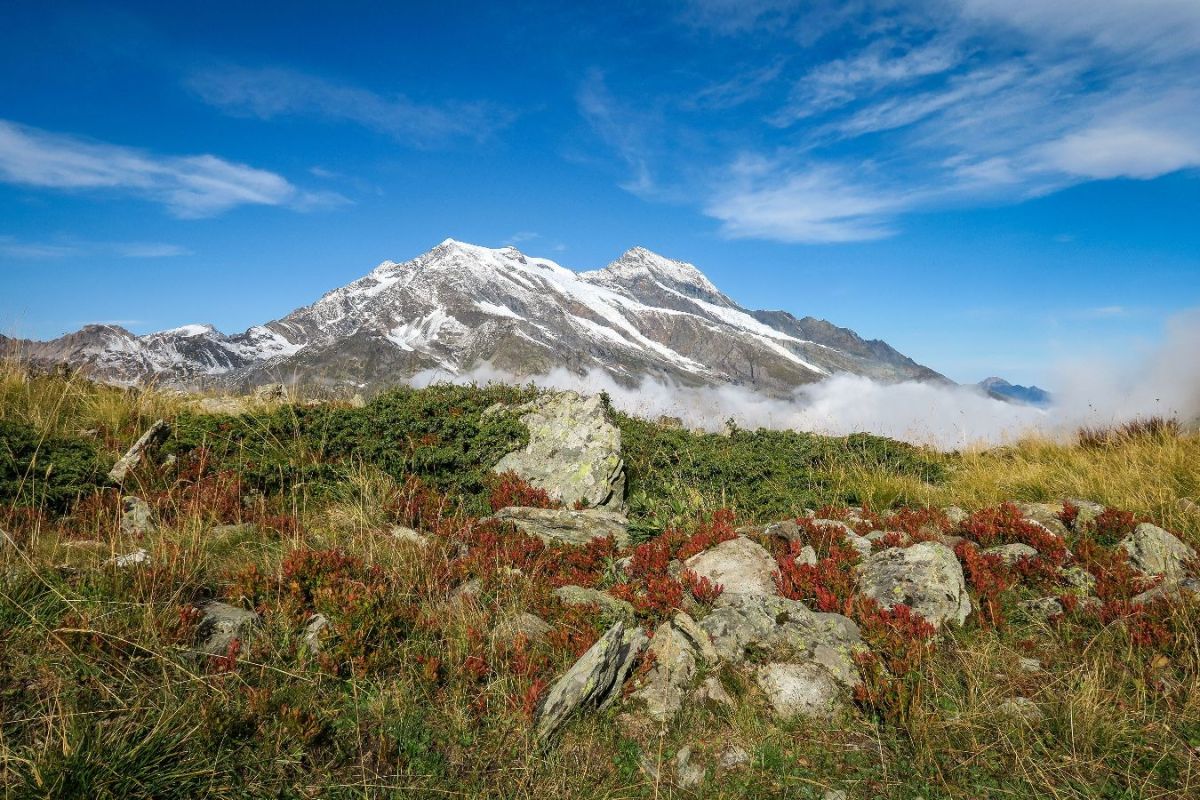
460, 305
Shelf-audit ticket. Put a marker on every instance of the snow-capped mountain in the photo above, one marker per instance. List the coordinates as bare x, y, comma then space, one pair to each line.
461, 306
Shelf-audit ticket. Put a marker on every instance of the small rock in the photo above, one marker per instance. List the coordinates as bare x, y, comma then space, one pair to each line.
407, 535
571, 527
136, 558
1167, 590
581, 596
136, 519
1043, 608
1029, 664
1087, 512
807, 556
148, 440
317, 624
675, 662
1046, 515
1188, 506
271, 392
798, 690
531, 626
712, 691
835, 794
593, 681
732, 757
740, 565
925, 577
687, 774
956, 515
860, 543
467, 590
1011, 554
1079, 579
1021, 707
221, 624
1154, 551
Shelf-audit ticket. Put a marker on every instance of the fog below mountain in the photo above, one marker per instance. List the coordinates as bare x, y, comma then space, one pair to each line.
1164, 381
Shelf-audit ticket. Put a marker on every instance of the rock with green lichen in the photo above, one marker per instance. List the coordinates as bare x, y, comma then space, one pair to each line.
926, 577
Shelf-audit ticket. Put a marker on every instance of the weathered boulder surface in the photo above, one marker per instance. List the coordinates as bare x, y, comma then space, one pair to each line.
1046, 515
136, 517
530, 626
740, 565
563, 525
679, 647
582, 596
926, 577
785, 630
220, 624
148, 440
1157, 552
574, 452
1011, 554
593, 681
798, 690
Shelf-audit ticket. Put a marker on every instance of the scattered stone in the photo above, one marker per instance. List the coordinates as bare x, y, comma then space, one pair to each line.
134, 559
1168, 591
582, 596
136, 519
1022, 708
1043, 608
712, 691
574, 452
593, 681
407, 535
1079, 579
563, 525
1029, 664
835, 794
956, 515
783, 629
1154, 551
1046, 515
221, 624
687, 774
271, 392
733, 757
467, 590
807, 555
531, 626
1011, 554
675, 662
1088, 511
153, 437
798, 690
926, 577
317, 624
740, 565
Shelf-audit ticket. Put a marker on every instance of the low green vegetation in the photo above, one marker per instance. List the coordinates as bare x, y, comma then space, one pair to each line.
288, 510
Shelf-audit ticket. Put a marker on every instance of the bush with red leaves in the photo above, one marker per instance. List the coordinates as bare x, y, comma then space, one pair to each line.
510, 489
989, 578
899, 641
1111, 526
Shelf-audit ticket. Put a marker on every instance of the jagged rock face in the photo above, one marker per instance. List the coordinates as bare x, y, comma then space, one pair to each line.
574, 452
926, 577
679, 648
459, 306
1154, 551
739, 565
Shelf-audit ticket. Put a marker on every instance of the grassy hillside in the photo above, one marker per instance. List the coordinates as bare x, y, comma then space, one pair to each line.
287, 509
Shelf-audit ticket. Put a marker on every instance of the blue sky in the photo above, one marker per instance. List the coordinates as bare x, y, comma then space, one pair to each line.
992, 186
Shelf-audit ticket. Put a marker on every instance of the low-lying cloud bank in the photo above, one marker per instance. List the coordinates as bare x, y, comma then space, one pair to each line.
1163, 382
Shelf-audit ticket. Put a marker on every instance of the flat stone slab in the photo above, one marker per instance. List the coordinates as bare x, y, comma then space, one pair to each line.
563, 525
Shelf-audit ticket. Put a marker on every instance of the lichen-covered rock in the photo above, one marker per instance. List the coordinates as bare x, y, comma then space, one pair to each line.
1187, 586
679, 649
593, 681
1012, 554
574, 452
1154, 551
740, 565
1045, 514
402, 533
136, 517
1086, 511
784, 630
1079, 579
582, 596
530, 626
314, 630
137, 558
220, 624
712, 691
563, 525
925, 577
1043, 608
148, 440
956, 515
798, 690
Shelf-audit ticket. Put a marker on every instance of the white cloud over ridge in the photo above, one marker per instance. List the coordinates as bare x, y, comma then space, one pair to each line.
189, 186
1163, 382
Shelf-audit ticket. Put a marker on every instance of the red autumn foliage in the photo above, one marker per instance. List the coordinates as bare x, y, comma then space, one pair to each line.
1005, 524
702, 589
510, 489
1112, 525
989, 577
1069, 513
899, 642
709, 533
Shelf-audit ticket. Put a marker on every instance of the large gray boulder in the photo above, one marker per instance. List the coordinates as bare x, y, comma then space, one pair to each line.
563, 525
574, 452
798, 690
783, 630
926, 577
1154, 551
221, 624
593, 681
1046, 515
740, 565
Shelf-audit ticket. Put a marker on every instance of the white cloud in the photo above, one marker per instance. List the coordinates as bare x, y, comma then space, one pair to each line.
273, 92
189, 186
624, 131
1122, 150
11, 247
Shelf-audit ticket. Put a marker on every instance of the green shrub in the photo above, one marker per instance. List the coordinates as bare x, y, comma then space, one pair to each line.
49, 472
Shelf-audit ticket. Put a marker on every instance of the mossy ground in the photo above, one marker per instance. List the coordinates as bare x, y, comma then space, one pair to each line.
100, 696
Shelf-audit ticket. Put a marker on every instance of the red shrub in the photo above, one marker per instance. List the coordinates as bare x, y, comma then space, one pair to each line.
708, 534
1069, 513
899, 642
1005, 524
510, 489
989, 577
1111, 526
702, 589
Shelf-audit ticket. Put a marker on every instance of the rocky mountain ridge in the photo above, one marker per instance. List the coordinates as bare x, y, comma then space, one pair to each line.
461, 306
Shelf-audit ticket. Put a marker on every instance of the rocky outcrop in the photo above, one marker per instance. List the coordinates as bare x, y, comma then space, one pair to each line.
570, 527
1154, 551
149, 440
679, 648
592, 682
740, 565
926, 577
220, 624
574, 452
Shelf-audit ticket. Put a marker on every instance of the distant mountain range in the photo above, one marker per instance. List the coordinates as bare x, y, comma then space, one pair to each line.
460, 306
1001, 389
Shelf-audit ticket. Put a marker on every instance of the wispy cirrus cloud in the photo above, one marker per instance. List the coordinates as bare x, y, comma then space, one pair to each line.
18, 249
189, 186
270, 92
